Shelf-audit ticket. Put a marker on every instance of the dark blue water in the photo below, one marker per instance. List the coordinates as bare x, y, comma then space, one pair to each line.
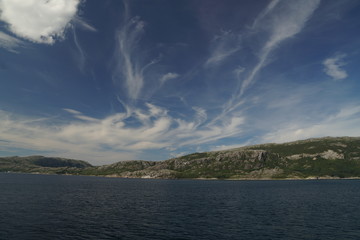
74, 207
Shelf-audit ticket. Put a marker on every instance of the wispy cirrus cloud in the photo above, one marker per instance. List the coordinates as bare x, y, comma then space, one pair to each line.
41, 21
129, 68
284, 19
168, 76
81, 53
9, 43
226, 147
264, 13
280, 20
130, 64
333, 67
120, 136
342, 123
223, 46
81, 23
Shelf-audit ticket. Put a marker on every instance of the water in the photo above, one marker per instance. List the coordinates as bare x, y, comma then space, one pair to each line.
75, 207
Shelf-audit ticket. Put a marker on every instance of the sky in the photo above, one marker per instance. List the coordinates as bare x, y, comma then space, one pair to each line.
106, 81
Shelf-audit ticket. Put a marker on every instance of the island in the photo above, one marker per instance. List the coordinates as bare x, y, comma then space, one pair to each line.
316, 158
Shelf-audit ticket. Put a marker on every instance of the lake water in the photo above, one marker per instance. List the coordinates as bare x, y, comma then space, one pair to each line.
77, 207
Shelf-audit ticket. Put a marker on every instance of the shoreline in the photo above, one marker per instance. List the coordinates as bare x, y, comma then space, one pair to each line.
200, 179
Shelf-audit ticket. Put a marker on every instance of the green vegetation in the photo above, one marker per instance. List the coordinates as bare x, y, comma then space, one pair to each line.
312, 158
40, 164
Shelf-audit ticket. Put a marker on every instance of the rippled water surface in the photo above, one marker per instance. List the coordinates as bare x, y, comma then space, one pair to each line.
76, 207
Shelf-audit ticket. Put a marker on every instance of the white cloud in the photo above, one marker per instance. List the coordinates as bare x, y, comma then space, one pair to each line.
285, 20
129, 133
10, 43
79, 115
168, 76
265, 12
200, 116
345, 113
128, 64
72, 111
333, 67
40, 21
344, 123
222, 47
180, 154
291, 20
281, 20
226, 147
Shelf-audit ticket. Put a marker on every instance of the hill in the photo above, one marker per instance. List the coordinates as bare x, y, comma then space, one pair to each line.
312, 158
41, 164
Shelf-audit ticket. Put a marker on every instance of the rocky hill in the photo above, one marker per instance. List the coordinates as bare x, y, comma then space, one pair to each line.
313, 158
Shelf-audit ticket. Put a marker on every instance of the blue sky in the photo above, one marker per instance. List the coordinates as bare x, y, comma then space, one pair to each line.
111, 80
